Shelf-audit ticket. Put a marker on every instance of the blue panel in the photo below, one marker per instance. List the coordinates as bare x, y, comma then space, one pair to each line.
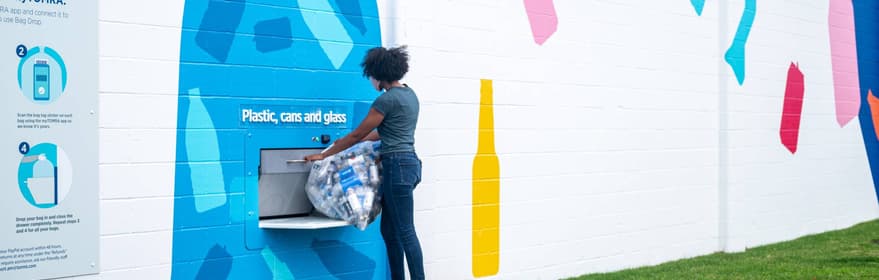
223, 18
304, 54
255, 82
351, 11
250, 267
231, 144
333, 85
273, 35
275, 3
194, 244
245, 54
337, 258
240, 267
231, 211
230, 170
222, 114
867, 37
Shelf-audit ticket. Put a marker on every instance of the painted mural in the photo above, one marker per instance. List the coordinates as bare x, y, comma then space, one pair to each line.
867, 40
238, 54
235, 54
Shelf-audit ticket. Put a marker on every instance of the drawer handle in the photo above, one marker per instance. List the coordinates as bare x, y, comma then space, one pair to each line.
289, 161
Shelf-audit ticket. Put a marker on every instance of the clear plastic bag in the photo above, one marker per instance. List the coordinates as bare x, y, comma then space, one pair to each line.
345, 185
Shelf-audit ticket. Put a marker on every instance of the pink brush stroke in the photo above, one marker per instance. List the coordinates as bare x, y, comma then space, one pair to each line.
844, 60
541, 14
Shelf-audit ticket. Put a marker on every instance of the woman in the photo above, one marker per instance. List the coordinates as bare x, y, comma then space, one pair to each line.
395, 114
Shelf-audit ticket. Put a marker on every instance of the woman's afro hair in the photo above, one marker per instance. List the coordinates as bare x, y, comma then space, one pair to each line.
387, 65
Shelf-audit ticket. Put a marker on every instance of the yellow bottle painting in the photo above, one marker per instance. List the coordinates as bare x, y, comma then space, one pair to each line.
486, 191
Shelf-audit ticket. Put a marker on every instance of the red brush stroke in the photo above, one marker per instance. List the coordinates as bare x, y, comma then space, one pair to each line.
793, 108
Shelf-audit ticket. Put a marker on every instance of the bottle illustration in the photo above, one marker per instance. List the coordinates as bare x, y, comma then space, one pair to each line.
486, 191
42, 184
206, 178
41, 80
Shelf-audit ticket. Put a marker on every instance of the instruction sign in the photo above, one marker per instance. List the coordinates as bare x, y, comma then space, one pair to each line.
49, 139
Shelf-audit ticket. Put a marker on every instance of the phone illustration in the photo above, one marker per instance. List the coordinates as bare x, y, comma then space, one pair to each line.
41, 80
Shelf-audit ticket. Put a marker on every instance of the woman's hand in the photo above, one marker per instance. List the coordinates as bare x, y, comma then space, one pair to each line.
314, 157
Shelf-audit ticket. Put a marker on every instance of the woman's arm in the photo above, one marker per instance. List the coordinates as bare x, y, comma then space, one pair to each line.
364, 130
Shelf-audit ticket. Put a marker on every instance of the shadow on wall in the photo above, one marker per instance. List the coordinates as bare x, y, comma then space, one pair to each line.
218, 265
353, 265
341, 261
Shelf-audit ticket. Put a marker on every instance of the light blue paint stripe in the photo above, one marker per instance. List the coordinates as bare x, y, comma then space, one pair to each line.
735, 56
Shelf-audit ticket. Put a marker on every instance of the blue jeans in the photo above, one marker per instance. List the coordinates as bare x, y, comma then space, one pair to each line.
401, 172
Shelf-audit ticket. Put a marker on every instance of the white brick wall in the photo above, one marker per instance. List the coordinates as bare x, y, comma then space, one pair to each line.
139, 46
773, 195
608, 134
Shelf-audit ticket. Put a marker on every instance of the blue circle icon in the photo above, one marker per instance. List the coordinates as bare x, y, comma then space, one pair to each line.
44, 175
42, 74
21, 51
24, 148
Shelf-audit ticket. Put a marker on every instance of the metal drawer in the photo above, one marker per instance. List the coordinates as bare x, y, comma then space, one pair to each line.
282, 177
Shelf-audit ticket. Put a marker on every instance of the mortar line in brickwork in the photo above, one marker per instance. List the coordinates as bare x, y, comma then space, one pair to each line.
722, 125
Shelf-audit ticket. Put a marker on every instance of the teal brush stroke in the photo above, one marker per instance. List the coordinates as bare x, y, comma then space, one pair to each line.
735, 56
698, 5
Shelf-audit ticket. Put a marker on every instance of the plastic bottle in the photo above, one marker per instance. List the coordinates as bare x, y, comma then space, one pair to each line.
368, 198
373, 174
354, 201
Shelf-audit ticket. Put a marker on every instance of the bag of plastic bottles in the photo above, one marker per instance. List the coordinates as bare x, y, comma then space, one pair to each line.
345, 185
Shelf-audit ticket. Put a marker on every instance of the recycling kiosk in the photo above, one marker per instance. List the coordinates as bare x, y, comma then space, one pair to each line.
278, 137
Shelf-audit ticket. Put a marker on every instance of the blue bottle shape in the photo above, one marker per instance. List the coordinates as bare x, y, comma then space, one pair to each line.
43, 168
202, 145
43, 184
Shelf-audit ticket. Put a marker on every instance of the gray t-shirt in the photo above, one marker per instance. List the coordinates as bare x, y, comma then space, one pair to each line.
399, 105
